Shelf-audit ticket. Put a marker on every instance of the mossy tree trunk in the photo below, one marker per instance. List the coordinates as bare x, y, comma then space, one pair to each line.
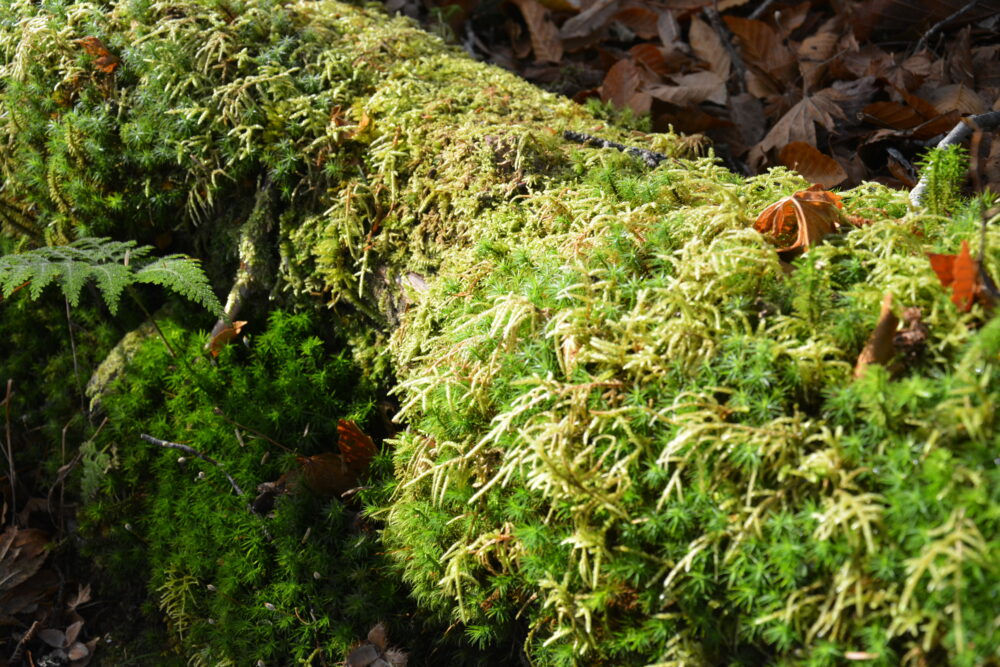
632, 435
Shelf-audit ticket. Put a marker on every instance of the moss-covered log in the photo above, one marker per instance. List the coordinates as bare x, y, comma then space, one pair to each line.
632, 434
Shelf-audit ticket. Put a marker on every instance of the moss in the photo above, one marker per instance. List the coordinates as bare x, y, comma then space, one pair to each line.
650, 445
631, 436
307, 581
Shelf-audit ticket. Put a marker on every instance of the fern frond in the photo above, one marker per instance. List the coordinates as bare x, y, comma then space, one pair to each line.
183, 275
113, 265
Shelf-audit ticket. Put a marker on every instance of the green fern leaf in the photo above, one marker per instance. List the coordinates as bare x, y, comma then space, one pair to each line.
182, 275
112, 266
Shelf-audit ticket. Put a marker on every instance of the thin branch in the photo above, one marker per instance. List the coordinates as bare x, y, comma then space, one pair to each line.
726, 37
940, 25
76, 365
25, 638
761, 8
651, 158
193, 452
984, 122
10, 450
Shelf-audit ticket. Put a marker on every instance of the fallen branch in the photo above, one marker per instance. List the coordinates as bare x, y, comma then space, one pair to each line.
937, 27
193, 452
984, 122
651, 158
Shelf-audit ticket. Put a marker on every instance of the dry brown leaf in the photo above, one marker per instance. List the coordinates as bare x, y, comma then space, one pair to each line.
22, 552
224, 337
104, 60
707, 47
893, 115
589, 21
639, 20
651, 57
814, 55
798, 123
964, 276
747, 113
669, 31
880, 347
622, 85
814, 165
954, 97
800, 221
763, 47
959, 58
692, 89
545, 41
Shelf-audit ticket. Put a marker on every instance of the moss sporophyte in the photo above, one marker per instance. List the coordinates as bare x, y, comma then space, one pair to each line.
629, 434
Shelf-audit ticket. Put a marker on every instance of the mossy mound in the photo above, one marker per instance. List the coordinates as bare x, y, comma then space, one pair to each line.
237, 586
632, 435
643, 436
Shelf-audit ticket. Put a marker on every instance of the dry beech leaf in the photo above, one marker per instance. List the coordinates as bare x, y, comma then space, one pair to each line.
706, 46
955, 97
621, 88
545, 41
669, 31
224, 337
799, 122
692, 89
813, 55
589, 21
965, 277
639, 20
764, 48
800, 221
651, 57
331, 474
104, 60
880, 347
894, 115
814, 165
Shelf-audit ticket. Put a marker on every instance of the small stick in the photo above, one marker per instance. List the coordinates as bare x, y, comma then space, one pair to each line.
739, 69
193, 452
986, 122
650, 158
761, 8
10, 450
25, 638
937, 27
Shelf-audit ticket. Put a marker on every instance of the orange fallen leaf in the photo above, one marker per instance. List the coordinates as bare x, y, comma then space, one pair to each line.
880, 347
802, 220
224, 337
812, 163
104, 60
331, 474
964, 276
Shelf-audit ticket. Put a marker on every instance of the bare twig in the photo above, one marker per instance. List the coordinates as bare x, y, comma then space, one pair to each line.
985, 122
76, 365
651, 158
193, 452
726, 37
940, 25
263, 436
761, 8
15, 657
10, 450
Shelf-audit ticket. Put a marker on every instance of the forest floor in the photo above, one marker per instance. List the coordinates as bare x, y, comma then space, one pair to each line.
842, 92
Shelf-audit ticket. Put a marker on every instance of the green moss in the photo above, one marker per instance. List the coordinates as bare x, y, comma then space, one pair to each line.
231, 584
643, 436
